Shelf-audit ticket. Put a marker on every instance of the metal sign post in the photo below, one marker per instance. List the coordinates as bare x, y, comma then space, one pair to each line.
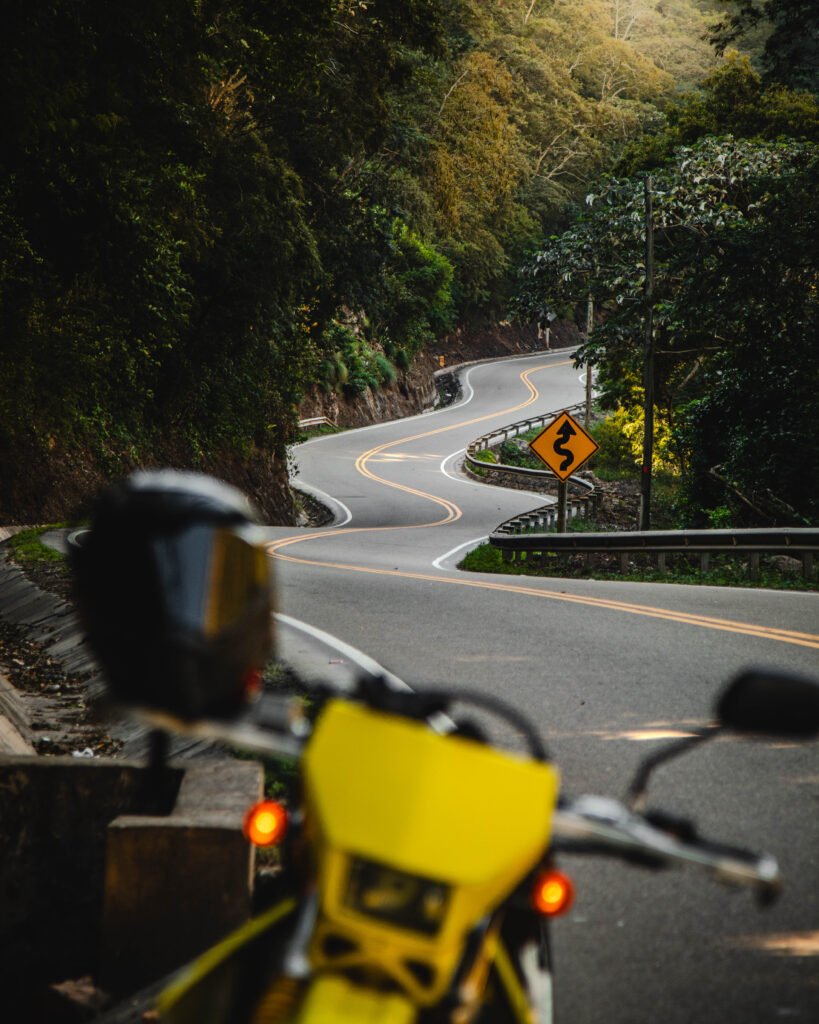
562, 502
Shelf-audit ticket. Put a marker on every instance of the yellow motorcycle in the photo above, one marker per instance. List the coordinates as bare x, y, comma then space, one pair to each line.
418, 859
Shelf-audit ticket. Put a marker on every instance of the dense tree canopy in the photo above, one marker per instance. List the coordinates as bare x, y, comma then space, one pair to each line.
208, 206
736, 314
733, 99
789, 32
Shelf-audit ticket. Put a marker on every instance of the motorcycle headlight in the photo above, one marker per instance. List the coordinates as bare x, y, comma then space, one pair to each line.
396, 898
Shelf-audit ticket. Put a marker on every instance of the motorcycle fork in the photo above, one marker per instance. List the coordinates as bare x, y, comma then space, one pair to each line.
522, 967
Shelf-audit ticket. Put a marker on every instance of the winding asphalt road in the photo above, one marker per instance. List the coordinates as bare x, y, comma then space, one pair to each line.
605, 669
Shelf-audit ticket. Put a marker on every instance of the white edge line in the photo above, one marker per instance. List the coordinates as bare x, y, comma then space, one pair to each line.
326, 498
439, 722
466, 544
443, 469
359, 658
544, 499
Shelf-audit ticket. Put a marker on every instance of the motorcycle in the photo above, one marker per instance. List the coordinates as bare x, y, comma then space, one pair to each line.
419, 858
419, 861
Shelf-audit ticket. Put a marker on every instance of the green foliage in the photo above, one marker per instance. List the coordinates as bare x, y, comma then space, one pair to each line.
791, 47
484, 558
515, 453
616, 454
402, 360
27, 547
195, 196
354, 365
386, 370
732, 100
415, 303
719, 518
735, 314
620, 437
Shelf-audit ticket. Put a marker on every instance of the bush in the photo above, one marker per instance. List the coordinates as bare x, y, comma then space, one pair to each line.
620, 437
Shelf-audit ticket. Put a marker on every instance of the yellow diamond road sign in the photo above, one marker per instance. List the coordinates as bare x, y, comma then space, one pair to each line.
563, 445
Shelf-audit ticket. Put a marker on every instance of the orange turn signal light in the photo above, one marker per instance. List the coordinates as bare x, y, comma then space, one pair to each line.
252, 683
265, 823
553, 893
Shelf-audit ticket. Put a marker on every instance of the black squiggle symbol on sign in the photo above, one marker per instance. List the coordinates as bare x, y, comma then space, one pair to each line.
564, 433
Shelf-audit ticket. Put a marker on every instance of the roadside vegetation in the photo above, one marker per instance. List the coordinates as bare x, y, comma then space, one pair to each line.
615, 470
732, 175
208, 210
723, 571
28, 549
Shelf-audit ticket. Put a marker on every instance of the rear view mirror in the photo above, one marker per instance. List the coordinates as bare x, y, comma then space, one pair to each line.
773, 702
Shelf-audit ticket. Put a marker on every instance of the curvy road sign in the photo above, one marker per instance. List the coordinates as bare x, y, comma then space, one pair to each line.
563, 445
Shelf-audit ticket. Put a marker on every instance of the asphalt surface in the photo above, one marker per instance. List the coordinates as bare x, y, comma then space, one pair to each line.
603, 668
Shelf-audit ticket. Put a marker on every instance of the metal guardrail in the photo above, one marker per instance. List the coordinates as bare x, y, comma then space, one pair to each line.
796, 542
515, 430
541, 519
317, 421
526, 535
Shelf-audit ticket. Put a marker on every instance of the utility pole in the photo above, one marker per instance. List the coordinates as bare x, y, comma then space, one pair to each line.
589, 322
648, 367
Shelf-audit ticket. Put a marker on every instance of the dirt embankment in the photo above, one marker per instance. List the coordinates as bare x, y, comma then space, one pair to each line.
414, 390
42, 486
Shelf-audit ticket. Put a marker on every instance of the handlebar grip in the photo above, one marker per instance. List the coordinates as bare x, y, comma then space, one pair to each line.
600, 825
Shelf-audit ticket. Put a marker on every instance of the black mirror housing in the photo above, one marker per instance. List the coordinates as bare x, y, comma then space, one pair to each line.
772, 702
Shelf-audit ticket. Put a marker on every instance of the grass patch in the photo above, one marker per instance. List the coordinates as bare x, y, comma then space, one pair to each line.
27, 548
484, 559
724, 571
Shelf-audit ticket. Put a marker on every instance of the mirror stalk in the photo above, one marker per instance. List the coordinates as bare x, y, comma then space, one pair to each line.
638, 790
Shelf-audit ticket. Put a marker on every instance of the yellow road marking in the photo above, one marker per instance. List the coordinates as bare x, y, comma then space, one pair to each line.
451, 509
406, 457
685, 618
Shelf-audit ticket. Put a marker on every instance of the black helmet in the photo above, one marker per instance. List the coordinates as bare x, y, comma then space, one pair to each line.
174, 588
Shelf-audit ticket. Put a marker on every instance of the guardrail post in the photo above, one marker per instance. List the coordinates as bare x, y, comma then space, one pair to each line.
753, 565
661, 561
705, 561
624, 561
807, 565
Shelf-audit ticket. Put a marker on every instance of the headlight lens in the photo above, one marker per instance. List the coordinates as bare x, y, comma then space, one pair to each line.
393, 897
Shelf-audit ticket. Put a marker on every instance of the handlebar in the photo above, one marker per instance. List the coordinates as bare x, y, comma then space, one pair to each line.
585, 825
599, 825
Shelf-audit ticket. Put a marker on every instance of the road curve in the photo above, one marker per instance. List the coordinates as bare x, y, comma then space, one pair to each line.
604, 668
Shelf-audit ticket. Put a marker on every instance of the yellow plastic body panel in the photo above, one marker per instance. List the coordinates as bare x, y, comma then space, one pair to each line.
392, 791
334, 1000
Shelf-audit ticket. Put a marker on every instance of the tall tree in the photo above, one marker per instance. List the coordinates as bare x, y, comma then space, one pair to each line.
791, 50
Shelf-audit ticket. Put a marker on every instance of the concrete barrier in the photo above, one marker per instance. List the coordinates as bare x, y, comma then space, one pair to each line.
105, 871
